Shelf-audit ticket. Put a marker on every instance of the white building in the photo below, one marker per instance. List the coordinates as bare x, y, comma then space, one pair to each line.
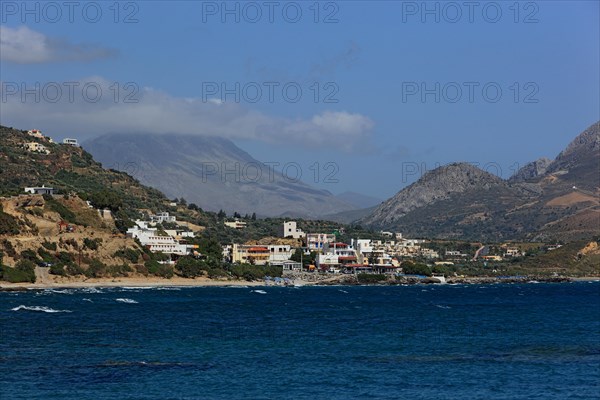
290, 229
163, 217
35, 147
375, 252
336, 255
235, 224
35, 133
512, 252
40, 190
289, 267
279, 253
259, 254
316, 241
179, 234
70, 142
150, 238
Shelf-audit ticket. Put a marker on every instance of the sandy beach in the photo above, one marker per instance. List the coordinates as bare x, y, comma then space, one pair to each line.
128, 282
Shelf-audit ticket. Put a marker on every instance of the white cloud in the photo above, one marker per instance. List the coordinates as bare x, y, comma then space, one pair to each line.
159, 112
26, 46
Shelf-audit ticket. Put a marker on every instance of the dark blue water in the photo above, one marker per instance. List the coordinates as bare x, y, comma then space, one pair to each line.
536, 341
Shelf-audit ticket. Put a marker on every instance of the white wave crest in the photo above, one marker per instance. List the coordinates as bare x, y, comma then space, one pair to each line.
39, 308
91, 290
128, 301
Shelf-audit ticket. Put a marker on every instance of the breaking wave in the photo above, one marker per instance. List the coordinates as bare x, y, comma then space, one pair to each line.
128, 301
39, 308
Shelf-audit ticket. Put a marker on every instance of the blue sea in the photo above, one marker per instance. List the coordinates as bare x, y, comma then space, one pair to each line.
504, 341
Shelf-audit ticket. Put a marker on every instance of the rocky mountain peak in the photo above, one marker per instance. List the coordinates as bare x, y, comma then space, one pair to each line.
531, 170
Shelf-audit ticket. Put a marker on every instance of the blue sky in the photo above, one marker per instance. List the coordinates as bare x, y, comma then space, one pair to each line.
373, 59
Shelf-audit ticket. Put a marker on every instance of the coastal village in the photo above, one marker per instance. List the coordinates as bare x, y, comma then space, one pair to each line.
309, 255
330, 256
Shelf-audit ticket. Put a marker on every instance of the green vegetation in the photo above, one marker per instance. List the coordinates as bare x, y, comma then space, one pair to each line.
8, 224
49, 245
57, 269
305, 259
254, 272
8, 248
106, 199
567, 260
155, 268
92, 244
409, 267
119, 270
24, 271
74, 269
189, 267
130, 255
96, 269
54, 205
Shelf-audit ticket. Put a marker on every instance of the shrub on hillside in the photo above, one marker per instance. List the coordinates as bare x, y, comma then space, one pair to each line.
96, 269
49, 245
24, 271
8, 223
37, 211
119, 270
64, 212
74, 269
57, 269
29, 255
9, 249
162, 270
130, 255
92, 244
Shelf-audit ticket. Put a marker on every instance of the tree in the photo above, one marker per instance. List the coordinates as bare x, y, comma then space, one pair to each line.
412, 268
221, 215
212, 250
253, 216
194, 207
106, 199
190, 268
305, 259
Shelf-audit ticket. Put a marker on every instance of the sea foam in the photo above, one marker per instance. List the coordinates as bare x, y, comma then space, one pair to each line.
39, 308
129, 301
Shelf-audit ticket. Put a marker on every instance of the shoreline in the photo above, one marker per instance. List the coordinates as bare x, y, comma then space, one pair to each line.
126, 282
205, 282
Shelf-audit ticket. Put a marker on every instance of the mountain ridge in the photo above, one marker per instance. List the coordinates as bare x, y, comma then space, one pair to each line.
213, 173
555, 200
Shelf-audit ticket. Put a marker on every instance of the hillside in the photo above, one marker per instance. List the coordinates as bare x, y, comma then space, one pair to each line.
544, 201
531, 170
579, 162
455, 201
213, 173
68, 169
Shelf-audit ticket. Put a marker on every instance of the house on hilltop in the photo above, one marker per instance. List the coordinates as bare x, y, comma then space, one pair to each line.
35, 147
40, 190
70, 142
